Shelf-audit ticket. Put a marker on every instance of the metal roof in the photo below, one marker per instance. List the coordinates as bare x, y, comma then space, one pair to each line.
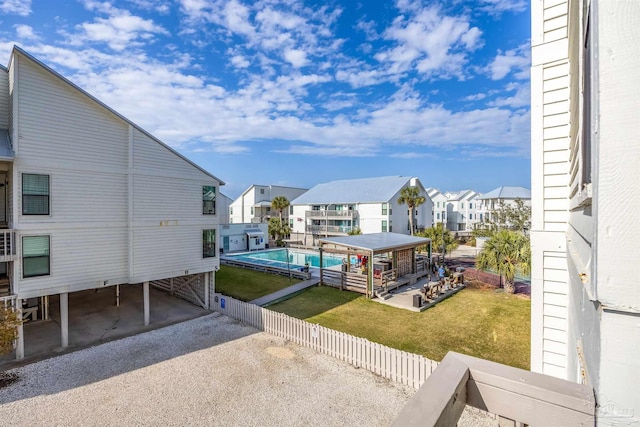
377, 242
508, 193
364, 190
254, 232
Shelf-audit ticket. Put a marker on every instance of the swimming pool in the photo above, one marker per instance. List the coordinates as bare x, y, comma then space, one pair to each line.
297, 258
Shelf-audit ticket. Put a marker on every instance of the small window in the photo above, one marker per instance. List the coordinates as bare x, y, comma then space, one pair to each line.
208, 200
470, 205
462, 205
438, 215
230, 211
390, 226
290, 209
291, 222
384, 209
208, 243
251, 210
35, 256
384, 226
262, 191
315, 207
35, 194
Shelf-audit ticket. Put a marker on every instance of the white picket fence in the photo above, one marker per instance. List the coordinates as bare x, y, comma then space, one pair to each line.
407, 368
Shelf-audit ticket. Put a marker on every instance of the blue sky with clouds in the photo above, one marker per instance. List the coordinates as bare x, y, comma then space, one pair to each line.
299, 92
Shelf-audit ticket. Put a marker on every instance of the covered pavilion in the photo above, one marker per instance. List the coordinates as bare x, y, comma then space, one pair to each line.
375, 263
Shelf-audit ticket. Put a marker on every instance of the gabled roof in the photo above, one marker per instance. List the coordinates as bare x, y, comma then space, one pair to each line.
433, 192
377, 242
17, 49
460, 195
363, 190
508, 193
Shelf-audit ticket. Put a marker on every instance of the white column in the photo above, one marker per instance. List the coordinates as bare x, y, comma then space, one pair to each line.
207, 281
20, 340
145, 293
64, 319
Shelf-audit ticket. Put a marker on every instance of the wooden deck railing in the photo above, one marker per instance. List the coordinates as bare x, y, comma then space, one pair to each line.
344, 280
516, 396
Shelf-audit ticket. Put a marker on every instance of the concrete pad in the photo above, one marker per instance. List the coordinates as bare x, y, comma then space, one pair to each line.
94, 318
403, 296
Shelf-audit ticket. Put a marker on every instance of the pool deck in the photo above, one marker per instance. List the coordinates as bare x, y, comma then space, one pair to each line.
284, 293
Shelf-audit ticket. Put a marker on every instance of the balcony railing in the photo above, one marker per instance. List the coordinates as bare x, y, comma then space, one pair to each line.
332, 214
7, 245
516, 396
329, 228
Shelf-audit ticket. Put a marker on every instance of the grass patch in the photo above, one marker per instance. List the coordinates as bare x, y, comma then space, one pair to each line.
247, 285
477, 322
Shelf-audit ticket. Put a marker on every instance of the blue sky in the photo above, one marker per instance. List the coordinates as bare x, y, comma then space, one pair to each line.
297, 92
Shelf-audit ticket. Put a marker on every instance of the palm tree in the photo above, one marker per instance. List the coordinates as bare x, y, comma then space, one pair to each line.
506, 252
412, 198
280, 203
441, 240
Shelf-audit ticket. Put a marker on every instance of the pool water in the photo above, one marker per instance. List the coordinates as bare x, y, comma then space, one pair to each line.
278, 258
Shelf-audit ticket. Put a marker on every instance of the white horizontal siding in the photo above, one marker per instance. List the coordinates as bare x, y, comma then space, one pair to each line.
59, 123
153, 158
165, 251
81, 258
78, 196
553, 322
161, 198
4, 100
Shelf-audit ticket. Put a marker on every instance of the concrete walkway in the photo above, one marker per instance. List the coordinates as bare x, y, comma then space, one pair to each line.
283, 293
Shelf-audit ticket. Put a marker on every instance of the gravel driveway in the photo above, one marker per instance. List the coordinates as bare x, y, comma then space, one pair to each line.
207, 371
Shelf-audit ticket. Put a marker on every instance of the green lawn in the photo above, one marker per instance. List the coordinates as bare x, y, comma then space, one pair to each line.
247, 285
483, 323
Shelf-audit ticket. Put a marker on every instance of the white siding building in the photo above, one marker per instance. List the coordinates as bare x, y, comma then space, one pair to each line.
370, 204
222, 208
461, 211
93, 201
585, 130
507, 196
439, 203
458, 210
254, 204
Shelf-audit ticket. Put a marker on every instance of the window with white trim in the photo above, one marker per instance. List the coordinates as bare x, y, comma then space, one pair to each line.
208, 243
208, 200
35, 256
35, 194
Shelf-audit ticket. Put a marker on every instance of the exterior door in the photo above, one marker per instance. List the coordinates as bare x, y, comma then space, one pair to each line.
225, 244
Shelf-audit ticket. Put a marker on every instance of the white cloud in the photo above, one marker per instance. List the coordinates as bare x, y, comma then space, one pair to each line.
274, 60
119, 30
518, 60
475, 97
521, 98
499, 6
16, 7
296, 57
429, 42
25, 32
239, 61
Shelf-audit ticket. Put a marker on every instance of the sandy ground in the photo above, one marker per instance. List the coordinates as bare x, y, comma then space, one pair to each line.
207, 371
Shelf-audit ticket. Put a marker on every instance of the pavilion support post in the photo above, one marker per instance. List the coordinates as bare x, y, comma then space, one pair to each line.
145, 297
321, 265
20, 340
117, 291
64, 319
370, 273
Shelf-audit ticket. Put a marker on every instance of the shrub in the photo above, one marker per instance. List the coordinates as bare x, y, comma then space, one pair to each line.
9, 323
